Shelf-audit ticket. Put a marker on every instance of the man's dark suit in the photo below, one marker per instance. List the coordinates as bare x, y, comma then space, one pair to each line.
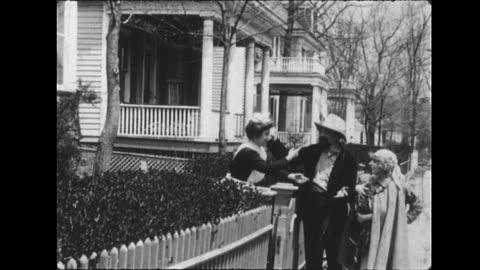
317, 210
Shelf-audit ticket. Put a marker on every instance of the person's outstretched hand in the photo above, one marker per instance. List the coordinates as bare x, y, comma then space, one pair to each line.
343, 192
361, 190
298, 178
293, 153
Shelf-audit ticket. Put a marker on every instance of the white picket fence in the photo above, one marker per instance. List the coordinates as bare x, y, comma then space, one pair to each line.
159, 121
239, 241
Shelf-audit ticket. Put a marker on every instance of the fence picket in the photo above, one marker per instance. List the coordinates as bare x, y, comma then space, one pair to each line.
168, 258
181, 246
131, 256
114, 258
154, 253
226, 231
139, 255
193, 243
202, 239
175, 249
83, 262
221, 234
103, 260
215, 236
122, 258
147, 253
188, 242
208, 236
162, 256
72, 264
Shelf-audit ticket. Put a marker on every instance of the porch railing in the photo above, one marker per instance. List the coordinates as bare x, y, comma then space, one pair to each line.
297, 64
159, 121
295, 139
239, 125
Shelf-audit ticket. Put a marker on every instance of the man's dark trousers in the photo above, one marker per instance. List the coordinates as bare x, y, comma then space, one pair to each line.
322, 231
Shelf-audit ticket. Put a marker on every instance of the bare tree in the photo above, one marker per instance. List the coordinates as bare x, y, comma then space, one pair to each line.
417, 62
109, 132
343, 46
379, 68
230, 20
110, 128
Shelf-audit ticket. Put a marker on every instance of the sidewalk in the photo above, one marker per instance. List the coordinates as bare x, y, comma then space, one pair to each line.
420, 231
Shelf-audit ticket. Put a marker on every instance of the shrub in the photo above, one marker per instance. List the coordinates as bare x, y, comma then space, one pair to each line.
68, 128
120, 208
211, 165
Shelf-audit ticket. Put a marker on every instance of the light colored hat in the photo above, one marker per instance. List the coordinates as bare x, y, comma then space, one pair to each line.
333, 123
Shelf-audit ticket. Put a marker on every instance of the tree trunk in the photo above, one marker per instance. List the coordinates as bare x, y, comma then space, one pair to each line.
109, 132
369, 131
413, 123
380, 123
222, 147
371, 135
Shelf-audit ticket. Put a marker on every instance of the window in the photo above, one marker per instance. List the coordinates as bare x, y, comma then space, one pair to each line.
66, 41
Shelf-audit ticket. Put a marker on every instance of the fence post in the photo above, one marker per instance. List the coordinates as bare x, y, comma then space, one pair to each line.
283, 212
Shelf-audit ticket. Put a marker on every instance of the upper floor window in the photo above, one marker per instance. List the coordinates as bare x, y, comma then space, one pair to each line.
66, 40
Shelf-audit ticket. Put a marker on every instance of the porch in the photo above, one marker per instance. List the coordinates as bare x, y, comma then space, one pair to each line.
297, 65
170, 87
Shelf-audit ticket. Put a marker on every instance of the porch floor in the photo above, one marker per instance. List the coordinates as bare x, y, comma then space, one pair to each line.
195, 145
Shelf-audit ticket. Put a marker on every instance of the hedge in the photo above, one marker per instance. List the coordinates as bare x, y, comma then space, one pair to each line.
119, 208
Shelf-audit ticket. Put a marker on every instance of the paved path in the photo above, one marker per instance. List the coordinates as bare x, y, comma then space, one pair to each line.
420, 231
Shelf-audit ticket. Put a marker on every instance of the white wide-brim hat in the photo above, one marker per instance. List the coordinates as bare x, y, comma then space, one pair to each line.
333, 123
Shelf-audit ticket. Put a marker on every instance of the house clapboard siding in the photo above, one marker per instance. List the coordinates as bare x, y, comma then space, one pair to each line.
238, 80
89, 62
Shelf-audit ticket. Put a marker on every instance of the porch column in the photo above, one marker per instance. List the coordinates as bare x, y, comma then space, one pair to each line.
249, 86
350, 119
207, 77
317, 109
153, 75
265, 80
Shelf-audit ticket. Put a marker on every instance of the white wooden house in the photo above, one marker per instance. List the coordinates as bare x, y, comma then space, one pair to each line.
170, 91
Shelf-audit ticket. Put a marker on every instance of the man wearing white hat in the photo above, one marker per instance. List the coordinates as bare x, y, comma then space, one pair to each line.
322, 202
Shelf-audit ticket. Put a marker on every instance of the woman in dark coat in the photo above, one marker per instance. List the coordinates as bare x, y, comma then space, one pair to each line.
250, 161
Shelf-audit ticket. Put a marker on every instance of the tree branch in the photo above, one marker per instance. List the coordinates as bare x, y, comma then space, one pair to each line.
238, 19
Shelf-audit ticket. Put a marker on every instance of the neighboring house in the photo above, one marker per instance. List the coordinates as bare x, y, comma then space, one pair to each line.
341, 102
298, 86
170, 88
